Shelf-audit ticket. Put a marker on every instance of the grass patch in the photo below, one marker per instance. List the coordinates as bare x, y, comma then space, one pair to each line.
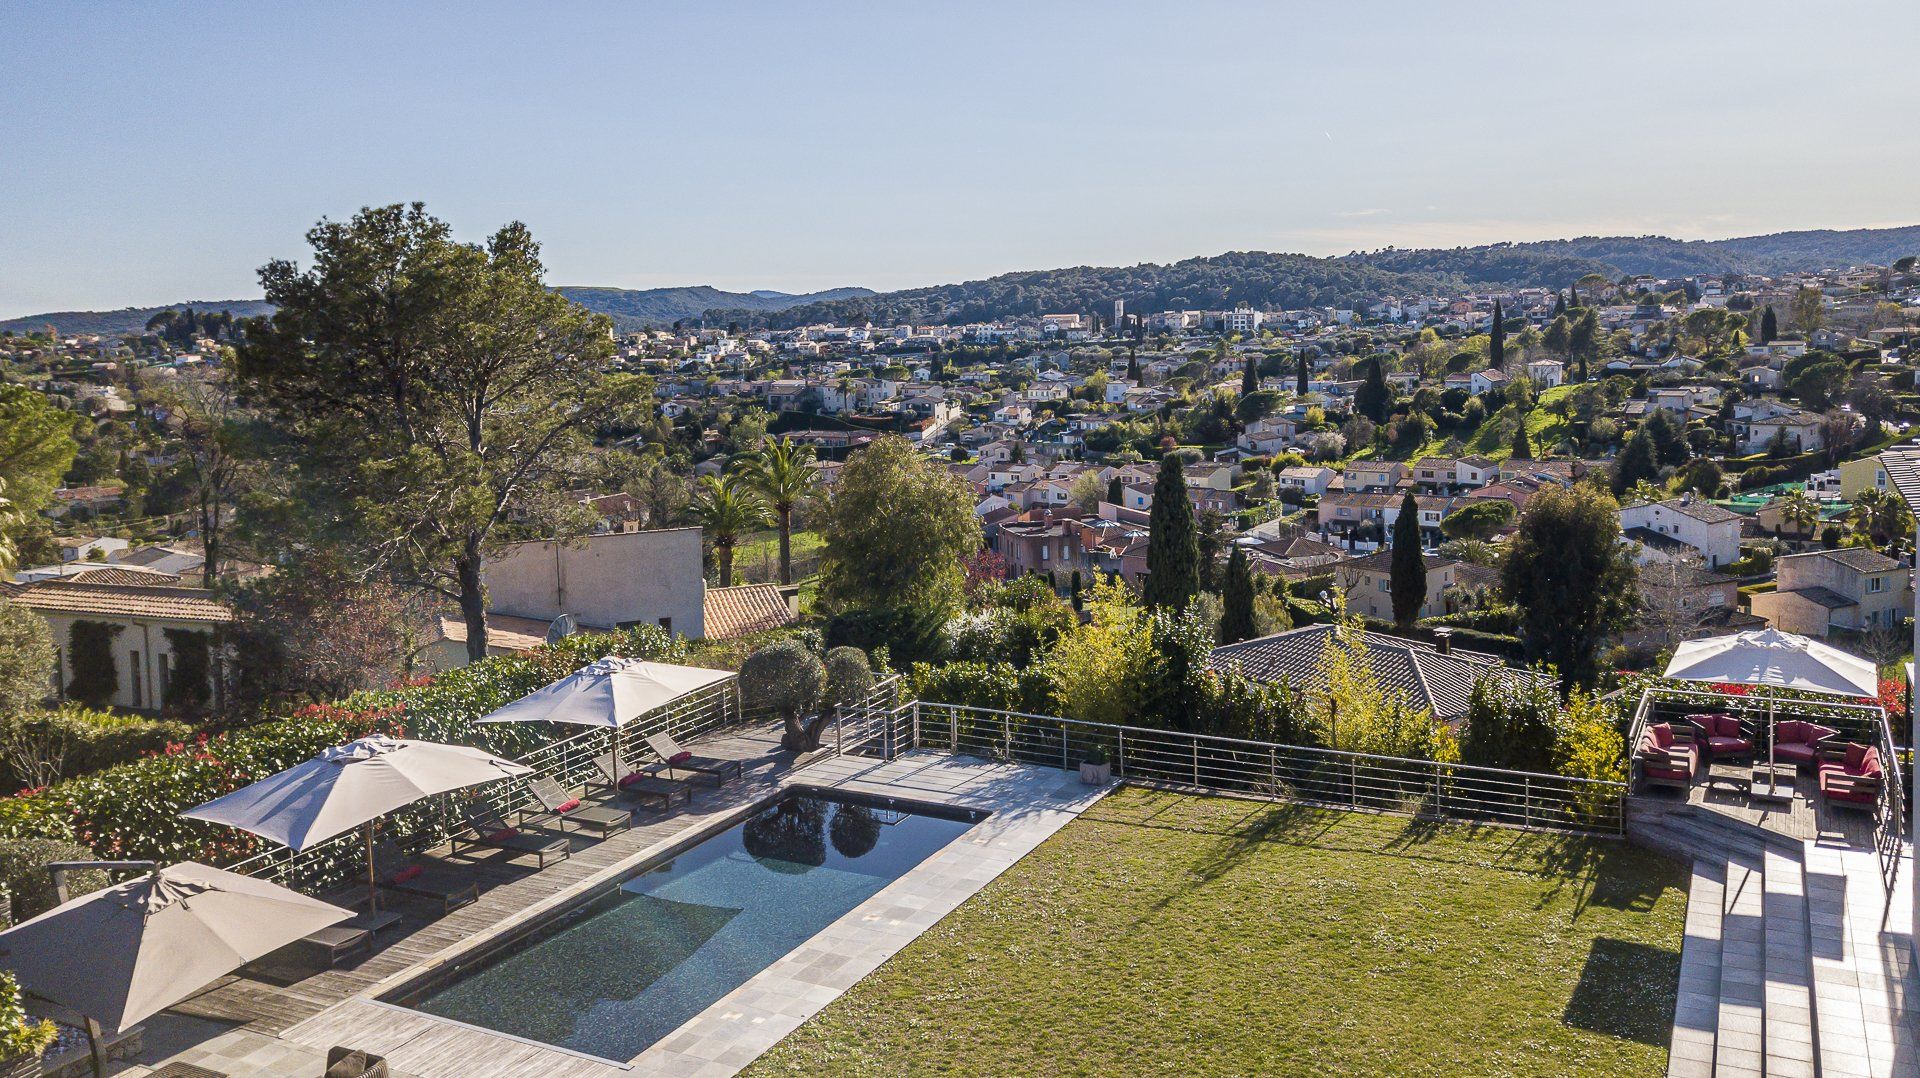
1166, 934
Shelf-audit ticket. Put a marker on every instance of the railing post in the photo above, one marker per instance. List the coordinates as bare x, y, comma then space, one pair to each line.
915, 744
1196, 762
1064, 765
1353, 782
953, 731
1273, 771
1526, 804
1120, 756
1006, 737
839, 732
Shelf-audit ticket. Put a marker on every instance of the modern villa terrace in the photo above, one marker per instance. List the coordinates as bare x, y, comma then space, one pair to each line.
1403, 915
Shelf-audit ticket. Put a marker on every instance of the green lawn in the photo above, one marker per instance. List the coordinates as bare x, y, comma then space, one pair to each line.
1165, 934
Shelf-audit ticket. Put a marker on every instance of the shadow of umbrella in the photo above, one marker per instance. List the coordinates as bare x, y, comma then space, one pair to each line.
790, 837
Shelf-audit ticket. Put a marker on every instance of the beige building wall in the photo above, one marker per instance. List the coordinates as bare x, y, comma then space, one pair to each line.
648, 577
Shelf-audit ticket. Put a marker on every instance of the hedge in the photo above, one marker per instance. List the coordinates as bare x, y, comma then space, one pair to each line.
131, 811
88, 740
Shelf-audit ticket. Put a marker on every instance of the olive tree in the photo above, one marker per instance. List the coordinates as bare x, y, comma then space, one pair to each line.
788, 678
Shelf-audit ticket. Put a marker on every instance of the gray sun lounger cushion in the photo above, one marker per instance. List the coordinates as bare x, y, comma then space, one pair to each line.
680, 759
563, 810
338, 941
424, 877
491, 830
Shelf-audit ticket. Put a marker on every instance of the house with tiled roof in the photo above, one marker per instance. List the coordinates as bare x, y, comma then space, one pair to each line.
1435, 677
1853, 588
1708, 531
135, 642
750, 608
1368, 584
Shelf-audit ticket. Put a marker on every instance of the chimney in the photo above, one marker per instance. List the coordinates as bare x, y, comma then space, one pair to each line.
1443, 641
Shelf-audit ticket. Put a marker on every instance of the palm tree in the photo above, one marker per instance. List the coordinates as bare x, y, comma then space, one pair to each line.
727, 508
1879, 513
1799, 511
782, 473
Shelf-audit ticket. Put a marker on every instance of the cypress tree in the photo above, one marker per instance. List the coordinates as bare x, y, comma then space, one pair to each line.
1559, 304
1249, 380
1115, 491
1173, 543
1769, 325
1133, 367
1497, 345
1236, 600
1373, 399
1076, 591
1573, 295
1300, 378
1409, 580
1522, 444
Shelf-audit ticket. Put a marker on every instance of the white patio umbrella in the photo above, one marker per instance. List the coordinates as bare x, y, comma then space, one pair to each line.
351, 785
1769, 657
609, 693
123, 953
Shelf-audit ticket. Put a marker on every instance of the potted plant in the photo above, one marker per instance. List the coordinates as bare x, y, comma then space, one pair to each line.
22, 1037
1095, 768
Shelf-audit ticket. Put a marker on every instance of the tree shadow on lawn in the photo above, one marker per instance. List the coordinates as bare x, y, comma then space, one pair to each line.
1609, 873
1626, 990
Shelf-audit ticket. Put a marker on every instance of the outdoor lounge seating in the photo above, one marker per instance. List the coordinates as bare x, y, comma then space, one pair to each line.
1723, 735
1798, 742
680, 759
562, 809
489, 829
1667, 758
423, 877
338, 941
642, 785
344, 1062
1853, 780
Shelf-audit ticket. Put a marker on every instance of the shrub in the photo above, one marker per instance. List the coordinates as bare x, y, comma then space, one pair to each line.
96, 678
849, 677
23, 867
20, 1034
789, 679
42, 747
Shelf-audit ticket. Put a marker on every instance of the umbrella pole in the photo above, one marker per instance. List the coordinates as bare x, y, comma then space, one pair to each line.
98, 1054
373, 883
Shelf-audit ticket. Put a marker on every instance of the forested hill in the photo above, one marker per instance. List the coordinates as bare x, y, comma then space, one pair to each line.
126, 319
1291, 280
633, 309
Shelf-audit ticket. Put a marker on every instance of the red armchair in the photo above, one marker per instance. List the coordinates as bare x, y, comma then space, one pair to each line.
1667, 760
1724, 735
1854, 779
1799, 743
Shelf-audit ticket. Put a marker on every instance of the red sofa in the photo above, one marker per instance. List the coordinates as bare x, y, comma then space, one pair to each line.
1799, 743
1723, 735
1854, 779
1667, 760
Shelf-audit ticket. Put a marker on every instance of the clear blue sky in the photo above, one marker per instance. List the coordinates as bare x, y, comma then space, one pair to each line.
157, 153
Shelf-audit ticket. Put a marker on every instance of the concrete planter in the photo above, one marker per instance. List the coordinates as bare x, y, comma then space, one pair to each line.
1096, 774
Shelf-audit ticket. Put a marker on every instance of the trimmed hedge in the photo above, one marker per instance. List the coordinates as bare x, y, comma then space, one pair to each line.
90, 740
131, 811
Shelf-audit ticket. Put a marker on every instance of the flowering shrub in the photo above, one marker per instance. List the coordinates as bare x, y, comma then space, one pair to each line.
131, 811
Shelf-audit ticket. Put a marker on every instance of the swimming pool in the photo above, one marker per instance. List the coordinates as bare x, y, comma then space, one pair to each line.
627, 967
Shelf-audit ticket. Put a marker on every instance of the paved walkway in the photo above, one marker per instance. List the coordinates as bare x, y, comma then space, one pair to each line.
283, 1029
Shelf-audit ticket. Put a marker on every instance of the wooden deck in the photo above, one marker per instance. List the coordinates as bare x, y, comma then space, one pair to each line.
278, 993
1808, 817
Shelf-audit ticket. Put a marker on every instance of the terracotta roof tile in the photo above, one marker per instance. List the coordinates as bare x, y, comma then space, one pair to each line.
123, 600
749, 608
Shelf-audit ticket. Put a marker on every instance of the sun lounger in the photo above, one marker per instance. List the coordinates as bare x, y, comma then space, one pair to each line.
489, 829
344, 1062
679, 759
424, 877
338, 941
643, 785
564, 810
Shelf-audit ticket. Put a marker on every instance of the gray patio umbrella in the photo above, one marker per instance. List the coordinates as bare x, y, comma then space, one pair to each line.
123, 953
609, 693
351, 785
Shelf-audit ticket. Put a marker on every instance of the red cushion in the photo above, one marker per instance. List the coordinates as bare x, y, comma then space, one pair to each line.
1793, 731
1856, 757
1662, 735
503, 834
567, 806
1726, 726
1870, 763
1729, 744
680, 757
407, 873
630, 778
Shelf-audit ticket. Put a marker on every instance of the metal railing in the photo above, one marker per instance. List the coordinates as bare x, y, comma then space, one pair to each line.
569, 761
1862, 723
1324, 777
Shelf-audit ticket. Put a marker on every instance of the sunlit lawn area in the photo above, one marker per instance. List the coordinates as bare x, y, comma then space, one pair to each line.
758, 553
1167, 934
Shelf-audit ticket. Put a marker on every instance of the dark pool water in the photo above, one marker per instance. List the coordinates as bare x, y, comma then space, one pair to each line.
632, 966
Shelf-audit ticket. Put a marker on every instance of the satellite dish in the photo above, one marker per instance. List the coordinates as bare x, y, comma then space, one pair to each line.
563, 626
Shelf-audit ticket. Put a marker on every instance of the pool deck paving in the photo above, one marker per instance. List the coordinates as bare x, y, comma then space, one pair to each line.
281, 1027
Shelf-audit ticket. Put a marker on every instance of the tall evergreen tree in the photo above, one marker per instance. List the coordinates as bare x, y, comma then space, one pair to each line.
1133, 367
1373, 399
1236, 599
1636, 462
1116, 491
1497, 342
1300, 376
1559, 304
1522, 443
1571, 577
1077, 601
1409, 576
1573, 296
1769, 325
1173, 544
1249, 380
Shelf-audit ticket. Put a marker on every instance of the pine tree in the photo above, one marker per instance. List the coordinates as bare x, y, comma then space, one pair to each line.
1497, 344
1173, 545
1409, 578
1300, 377
1249, 380
1636, 462
1769, 325
1522, 444
1236, 600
